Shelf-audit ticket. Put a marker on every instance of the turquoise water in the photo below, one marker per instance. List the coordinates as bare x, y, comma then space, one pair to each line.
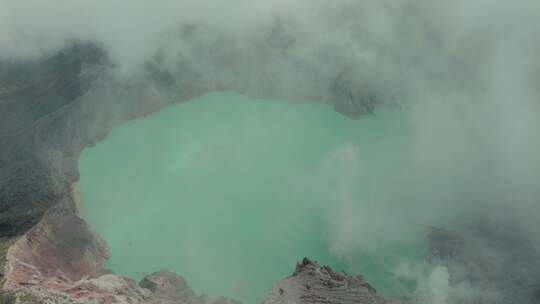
231, 191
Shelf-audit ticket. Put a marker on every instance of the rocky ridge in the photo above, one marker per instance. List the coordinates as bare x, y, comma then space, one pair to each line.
313, 283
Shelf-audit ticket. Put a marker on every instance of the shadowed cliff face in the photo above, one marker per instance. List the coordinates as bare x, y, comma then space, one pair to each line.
41, 133
38, 88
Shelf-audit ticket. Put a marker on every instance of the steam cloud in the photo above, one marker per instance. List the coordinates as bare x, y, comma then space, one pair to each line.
467, 71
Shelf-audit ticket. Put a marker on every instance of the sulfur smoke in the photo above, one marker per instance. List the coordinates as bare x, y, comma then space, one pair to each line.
466, 72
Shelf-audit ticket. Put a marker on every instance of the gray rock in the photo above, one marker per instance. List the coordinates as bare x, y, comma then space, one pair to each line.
311, 283
168, 286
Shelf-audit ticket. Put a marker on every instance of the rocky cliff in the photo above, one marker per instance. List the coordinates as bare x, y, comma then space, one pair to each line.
313, 283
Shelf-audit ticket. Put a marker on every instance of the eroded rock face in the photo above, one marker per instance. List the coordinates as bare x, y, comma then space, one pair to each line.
106, 289
312, 283
167, 286
61, 261
170, 288
62, 245
162, 287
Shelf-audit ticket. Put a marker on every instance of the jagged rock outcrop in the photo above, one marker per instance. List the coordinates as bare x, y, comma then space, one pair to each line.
60, 245
167, 286
170, 288
162, 287
312, 283
61, 260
